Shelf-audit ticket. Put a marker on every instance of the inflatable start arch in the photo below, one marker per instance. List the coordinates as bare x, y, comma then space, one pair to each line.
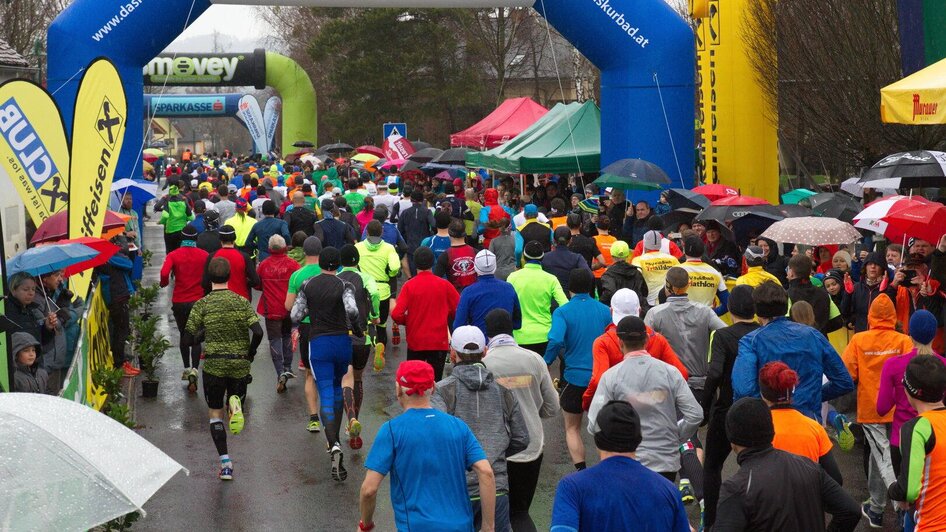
644, 49
258, 69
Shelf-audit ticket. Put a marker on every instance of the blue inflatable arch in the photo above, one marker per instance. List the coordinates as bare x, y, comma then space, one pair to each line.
644, 49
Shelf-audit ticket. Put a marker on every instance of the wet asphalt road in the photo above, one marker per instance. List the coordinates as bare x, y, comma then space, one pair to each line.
282, 472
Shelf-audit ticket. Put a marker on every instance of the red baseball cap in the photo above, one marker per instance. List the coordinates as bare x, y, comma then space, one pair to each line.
415, 376
240, 203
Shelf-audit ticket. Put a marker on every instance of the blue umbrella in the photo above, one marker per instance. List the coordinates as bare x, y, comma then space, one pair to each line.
47, 259
142, 191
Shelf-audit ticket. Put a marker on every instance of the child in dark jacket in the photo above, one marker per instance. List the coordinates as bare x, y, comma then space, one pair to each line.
29, 376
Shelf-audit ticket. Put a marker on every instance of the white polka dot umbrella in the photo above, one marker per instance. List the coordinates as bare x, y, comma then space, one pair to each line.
812, 231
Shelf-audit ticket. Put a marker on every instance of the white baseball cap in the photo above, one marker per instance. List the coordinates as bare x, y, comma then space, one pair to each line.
468, 339
624, 303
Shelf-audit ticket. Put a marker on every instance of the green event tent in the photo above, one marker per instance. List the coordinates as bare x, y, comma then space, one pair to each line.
567, 140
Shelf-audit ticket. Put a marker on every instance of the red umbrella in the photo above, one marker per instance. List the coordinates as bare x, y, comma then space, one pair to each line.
105, 248
55, 227
739, 201
368, 148
926, 221
716, 191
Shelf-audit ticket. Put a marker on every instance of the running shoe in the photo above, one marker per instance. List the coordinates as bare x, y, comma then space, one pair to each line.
192, 381
236, 415
338, 468
354, 434
314, 426
378, 356
281, 383
843, 429
130, 371
301, 365
289, 374
186, 375
874, 519
226, 471
395, 335
686, 492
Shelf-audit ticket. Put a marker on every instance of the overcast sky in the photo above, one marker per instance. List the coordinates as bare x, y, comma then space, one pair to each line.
239, 27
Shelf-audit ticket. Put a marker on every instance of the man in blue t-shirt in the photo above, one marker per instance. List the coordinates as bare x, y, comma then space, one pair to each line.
439, 242
619, 493
428, 490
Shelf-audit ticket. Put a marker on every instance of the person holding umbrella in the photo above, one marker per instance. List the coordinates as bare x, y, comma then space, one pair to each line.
23, 309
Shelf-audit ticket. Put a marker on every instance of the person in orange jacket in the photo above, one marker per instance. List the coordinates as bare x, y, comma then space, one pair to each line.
864, 358
607, 351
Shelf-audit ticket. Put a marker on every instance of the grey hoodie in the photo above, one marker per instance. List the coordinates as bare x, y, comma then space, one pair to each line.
491, 412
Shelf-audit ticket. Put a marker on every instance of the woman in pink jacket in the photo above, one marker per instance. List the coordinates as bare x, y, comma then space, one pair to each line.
891, 393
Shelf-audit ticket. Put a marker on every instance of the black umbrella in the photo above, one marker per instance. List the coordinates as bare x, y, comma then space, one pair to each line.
420, 145
339, 147
673, 219
752, 225
833, 205
912, 169
792, 210
410, 165
729, 213
681, 198
425, 155
303, 144
637, 170
453, 156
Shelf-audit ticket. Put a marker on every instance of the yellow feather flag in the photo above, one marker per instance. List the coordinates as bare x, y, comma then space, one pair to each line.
98, 132
34, 151
699, 8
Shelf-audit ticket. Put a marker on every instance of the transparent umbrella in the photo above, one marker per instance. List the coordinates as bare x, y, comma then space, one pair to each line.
65, 466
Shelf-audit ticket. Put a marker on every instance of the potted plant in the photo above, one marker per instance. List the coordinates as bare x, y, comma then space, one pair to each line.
143, 300
150, 347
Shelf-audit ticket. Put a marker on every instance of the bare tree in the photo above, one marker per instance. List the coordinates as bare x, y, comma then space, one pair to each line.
822, 64
23, 23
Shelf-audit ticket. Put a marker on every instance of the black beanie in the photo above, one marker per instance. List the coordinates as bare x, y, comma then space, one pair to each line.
740, 302
498, 321
925, 379
619, 428
329, 259
349, 256
693, 247
749, 423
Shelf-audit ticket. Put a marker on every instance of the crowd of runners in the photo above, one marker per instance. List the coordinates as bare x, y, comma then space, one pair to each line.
518, 301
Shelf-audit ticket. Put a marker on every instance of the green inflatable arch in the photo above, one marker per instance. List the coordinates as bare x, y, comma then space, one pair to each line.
259, 69
299, 107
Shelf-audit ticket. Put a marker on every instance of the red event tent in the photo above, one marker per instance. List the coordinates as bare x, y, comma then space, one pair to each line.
504, 123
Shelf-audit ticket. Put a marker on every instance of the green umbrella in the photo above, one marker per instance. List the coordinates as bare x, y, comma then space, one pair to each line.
792, 197
625, 183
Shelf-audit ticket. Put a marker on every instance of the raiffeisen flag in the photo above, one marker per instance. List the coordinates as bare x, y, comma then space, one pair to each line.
271, 118
98, 132
249, 112
33, 148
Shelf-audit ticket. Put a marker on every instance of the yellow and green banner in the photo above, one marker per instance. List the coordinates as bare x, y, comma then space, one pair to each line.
34, 151
93, 352
98, 132
737, 125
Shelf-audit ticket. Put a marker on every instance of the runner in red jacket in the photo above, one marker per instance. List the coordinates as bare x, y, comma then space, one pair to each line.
242, 271
607, 351
427, 305
186, 264
274, 273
